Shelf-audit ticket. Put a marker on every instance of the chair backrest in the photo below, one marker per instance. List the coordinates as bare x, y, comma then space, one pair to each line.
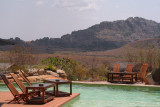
129, 68
10, 86
143, 70
116, 67
18, 82
21, 73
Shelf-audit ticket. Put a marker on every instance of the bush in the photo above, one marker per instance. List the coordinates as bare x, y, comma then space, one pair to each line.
98, 73
76, 71
70, 66
156, 75
51, 68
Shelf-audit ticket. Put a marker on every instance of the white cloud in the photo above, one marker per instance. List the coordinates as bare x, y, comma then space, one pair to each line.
90, 6
80, 5
39, 3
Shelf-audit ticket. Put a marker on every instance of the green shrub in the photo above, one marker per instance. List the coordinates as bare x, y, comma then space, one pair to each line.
66, 64
51, 67
76, 71
98, 73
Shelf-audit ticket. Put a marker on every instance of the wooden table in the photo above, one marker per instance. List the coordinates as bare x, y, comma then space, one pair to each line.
39, 99
121, 76
57, 82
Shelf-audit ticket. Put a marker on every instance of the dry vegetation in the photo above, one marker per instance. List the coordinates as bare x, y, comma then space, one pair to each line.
92, 65
140, 55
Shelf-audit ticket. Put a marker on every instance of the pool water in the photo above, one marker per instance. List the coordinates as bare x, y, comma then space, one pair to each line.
115, 96
110, 96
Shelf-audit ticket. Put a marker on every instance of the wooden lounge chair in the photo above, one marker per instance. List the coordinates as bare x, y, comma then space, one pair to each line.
116, 68
18, 82
141, 75
15, 93
23, 87
21, 73
128, 70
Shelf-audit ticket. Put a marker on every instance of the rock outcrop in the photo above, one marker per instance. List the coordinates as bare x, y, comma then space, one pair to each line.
103, 36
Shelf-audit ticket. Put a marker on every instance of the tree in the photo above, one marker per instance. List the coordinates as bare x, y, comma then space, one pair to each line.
21, 56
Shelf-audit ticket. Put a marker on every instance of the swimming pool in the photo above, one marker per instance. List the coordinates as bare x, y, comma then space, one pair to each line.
110, 96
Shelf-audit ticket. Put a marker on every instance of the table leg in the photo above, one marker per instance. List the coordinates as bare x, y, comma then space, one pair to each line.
43, 95
135, 77
122, 77
70, 88
112, 78
26, 94
56, 94
132, 79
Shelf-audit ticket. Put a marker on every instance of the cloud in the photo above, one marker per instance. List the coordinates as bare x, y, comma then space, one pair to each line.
80, 5
39, 3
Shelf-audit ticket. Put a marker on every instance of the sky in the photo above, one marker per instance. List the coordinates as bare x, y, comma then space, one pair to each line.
34, 19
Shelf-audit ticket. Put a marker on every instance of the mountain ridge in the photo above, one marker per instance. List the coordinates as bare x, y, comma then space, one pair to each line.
104, 36
100, 37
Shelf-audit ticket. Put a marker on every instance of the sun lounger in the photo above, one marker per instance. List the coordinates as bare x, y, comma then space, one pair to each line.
128, 70
15, 93
116, 68
141, 75
23, 87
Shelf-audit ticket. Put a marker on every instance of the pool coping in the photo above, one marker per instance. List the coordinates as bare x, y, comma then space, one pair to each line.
115, 84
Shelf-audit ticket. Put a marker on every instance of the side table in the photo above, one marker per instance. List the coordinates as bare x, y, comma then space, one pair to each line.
39, 99
58, 93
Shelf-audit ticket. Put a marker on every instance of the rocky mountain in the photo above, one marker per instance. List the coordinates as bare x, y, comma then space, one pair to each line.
6, 44
103, 36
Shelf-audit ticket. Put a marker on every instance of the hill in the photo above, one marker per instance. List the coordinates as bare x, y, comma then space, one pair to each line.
103, 36
5, 42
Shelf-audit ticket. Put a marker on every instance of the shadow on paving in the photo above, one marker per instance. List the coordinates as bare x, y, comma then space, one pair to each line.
1, 104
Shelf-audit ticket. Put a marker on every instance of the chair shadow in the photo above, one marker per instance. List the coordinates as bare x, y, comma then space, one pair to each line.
1, 103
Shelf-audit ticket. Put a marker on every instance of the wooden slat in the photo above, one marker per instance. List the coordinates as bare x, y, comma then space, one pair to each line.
10, 86
18, 82
116, 67
142, 73
25, 78
129, 68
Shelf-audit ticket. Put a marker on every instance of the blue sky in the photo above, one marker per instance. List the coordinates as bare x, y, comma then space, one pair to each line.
34, 19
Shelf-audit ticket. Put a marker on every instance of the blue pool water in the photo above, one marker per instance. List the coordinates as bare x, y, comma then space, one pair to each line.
110, 96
